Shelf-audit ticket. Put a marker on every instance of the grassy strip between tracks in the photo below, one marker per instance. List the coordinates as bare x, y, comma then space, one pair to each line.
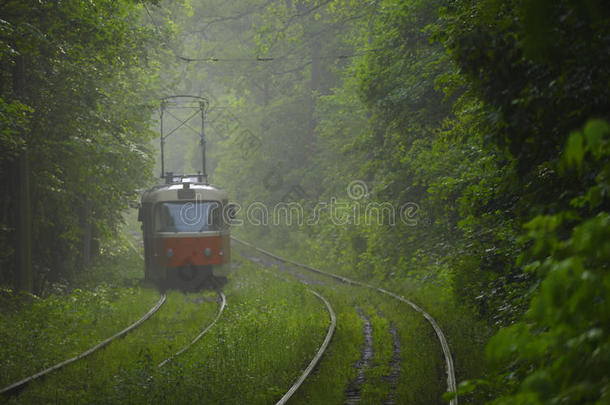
421, 360
112, 374
268, 333
38, 333
422, 368
466, 336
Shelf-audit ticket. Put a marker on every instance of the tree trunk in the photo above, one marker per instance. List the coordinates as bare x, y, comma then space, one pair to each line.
315, 86
86, 235
23, 249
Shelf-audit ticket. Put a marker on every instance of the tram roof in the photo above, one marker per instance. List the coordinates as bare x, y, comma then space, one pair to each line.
184, 192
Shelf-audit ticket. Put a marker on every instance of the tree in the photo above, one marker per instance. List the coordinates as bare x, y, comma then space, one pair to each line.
80, 115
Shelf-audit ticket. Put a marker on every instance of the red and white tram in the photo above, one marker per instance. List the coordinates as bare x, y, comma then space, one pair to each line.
185, 224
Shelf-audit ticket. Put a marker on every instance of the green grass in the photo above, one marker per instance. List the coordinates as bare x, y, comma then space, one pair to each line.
422, 363
422, 376
377, 388
267, 335
127, 363
335, 371
466, 335
270, 331
48, 331
36, 333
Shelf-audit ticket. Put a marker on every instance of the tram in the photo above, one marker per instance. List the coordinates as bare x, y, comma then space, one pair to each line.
185, 226
186, 229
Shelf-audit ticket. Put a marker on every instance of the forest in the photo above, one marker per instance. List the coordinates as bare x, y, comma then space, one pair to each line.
455, 150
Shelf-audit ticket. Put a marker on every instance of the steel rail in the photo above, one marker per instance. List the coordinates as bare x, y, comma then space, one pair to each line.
449, 368
16, 387
318, 356
223, 304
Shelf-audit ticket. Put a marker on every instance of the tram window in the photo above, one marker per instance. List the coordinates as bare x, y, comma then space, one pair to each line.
188, 216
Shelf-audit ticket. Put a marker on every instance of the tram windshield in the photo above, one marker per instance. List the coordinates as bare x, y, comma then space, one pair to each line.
190, 216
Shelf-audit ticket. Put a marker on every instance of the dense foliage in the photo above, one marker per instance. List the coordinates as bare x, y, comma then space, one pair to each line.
462, 109
559, 352
483, 125
77, 88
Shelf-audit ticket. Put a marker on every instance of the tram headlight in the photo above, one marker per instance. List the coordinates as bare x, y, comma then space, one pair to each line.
169, 253
220, 253
207, 252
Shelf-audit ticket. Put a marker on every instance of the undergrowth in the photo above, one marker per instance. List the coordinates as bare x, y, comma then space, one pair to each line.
267, 335
36, 333
465, 334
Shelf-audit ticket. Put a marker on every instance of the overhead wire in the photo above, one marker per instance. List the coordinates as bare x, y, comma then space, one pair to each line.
263, 59
280, 58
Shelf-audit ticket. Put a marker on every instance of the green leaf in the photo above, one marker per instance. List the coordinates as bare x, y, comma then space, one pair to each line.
594, 133
575, 150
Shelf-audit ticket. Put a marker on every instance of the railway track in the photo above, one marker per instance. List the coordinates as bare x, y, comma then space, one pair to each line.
16, 387
329, 334
223, 304
19, 385
449, 368
318, 356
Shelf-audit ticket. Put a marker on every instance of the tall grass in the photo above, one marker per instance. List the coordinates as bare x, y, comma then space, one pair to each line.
128, 363
44, 332
466, 335
422, 367
268, 333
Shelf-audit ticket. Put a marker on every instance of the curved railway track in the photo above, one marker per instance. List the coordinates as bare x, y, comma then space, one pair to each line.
451, 383
16, 387
19, 385
449, 368
318, 356
223, 304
